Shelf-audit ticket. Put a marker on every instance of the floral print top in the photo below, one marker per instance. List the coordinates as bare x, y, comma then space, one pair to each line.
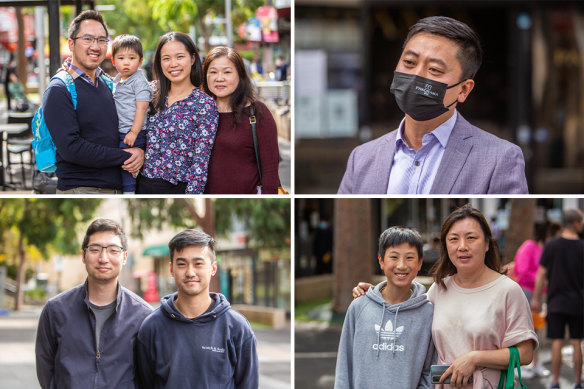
180, 140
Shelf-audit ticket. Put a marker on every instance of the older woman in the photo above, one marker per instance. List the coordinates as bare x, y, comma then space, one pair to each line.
233, 168
478, 312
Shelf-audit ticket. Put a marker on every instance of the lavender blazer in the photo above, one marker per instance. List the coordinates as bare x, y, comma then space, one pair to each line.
474, 162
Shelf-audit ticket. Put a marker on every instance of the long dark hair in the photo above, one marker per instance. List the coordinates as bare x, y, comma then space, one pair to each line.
444, 266
163, 87
244, 93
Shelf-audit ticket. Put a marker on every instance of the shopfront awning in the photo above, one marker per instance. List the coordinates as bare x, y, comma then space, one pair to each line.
156, 251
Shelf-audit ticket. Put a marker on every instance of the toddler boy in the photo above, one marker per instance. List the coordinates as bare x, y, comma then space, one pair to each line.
132, 94
397, 351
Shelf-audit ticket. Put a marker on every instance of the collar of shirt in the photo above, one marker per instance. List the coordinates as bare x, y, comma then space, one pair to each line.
76, 72
442, 132
413, 171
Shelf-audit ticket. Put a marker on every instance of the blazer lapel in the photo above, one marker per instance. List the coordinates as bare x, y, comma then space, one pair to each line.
383, 162
457, 150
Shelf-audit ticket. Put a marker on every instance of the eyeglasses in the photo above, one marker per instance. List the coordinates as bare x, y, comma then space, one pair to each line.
87, 40
112, 250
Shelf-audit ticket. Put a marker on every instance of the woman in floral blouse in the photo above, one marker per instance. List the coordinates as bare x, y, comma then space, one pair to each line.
182, 124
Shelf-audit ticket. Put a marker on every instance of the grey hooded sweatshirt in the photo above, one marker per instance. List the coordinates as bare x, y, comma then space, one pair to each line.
386, 346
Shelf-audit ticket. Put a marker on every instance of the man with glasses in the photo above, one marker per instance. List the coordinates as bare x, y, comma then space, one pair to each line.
86, 136
86, 335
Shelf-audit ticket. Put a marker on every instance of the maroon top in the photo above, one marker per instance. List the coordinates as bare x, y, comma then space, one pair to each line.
233, 168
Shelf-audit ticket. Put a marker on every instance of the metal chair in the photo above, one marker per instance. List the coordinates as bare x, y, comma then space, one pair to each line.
18, 145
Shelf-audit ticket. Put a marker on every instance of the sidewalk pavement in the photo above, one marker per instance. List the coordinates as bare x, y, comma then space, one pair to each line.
315, 356
17, 359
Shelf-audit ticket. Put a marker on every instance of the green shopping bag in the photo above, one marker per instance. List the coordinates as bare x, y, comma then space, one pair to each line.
509, 374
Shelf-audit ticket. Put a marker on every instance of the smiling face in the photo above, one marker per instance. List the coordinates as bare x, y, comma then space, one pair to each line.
88, 57
127, 62
222, 77
176, 62
435, 57
400, 265
192, 269
466, 245
102, 267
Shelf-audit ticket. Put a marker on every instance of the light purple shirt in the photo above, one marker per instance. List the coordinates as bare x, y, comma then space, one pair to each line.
413, 172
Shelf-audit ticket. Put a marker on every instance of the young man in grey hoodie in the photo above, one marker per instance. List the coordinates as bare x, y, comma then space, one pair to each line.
387, 339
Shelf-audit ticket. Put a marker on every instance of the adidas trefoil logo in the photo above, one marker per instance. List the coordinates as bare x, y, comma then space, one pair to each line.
388, 333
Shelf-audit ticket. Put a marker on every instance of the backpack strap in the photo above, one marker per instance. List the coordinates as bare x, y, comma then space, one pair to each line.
69, 84
108, 81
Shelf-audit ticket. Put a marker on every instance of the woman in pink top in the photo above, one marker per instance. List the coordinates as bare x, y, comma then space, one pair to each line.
478, 312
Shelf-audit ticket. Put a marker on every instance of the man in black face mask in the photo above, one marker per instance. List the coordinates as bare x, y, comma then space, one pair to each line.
435, 150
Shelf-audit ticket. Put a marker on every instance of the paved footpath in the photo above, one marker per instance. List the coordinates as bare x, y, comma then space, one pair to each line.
17, 359
315, 357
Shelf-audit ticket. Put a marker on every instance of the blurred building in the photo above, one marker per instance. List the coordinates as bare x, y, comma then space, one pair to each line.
528, 90
358, 248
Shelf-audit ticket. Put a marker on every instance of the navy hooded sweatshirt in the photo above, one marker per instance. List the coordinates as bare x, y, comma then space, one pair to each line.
214, 350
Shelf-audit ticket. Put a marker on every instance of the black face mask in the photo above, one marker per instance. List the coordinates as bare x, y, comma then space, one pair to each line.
420, 97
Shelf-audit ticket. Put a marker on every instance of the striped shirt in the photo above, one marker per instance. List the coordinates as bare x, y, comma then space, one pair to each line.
413, 171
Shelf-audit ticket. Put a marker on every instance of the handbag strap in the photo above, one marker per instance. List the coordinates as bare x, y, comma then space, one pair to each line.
514, 363
252, 121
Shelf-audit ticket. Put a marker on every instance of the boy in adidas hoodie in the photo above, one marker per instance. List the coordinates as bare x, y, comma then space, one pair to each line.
386, 340
195, 339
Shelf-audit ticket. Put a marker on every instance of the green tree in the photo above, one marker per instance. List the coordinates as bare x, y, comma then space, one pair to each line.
46, 225
267, 220
150, 19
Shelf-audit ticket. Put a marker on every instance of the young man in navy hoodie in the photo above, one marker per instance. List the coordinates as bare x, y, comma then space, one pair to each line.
195, 339
86, 137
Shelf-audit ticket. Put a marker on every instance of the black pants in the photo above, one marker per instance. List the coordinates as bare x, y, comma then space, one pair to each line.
145, 185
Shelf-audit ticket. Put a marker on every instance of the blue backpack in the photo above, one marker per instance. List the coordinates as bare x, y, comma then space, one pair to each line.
45, 151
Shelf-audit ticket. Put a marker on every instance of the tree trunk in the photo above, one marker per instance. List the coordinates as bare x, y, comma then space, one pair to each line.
521, 222
20, 273
354, 255
22, 65
205, 33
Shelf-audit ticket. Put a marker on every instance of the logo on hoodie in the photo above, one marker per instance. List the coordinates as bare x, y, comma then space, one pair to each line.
214, 349
388, 334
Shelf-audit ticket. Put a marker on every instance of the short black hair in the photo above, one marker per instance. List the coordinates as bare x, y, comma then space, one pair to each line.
101, 225
126, 41
191, 237
89, 14
395, 236
470, 53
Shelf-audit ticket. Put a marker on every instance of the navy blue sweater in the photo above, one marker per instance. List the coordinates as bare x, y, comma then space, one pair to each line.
87, 140
214, 350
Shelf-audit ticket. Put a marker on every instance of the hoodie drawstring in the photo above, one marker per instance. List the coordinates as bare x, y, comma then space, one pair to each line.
394, 332
380, 328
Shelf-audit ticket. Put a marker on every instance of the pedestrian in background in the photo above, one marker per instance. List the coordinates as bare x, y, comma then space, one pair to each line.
85, 337
525, 267
562, 266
